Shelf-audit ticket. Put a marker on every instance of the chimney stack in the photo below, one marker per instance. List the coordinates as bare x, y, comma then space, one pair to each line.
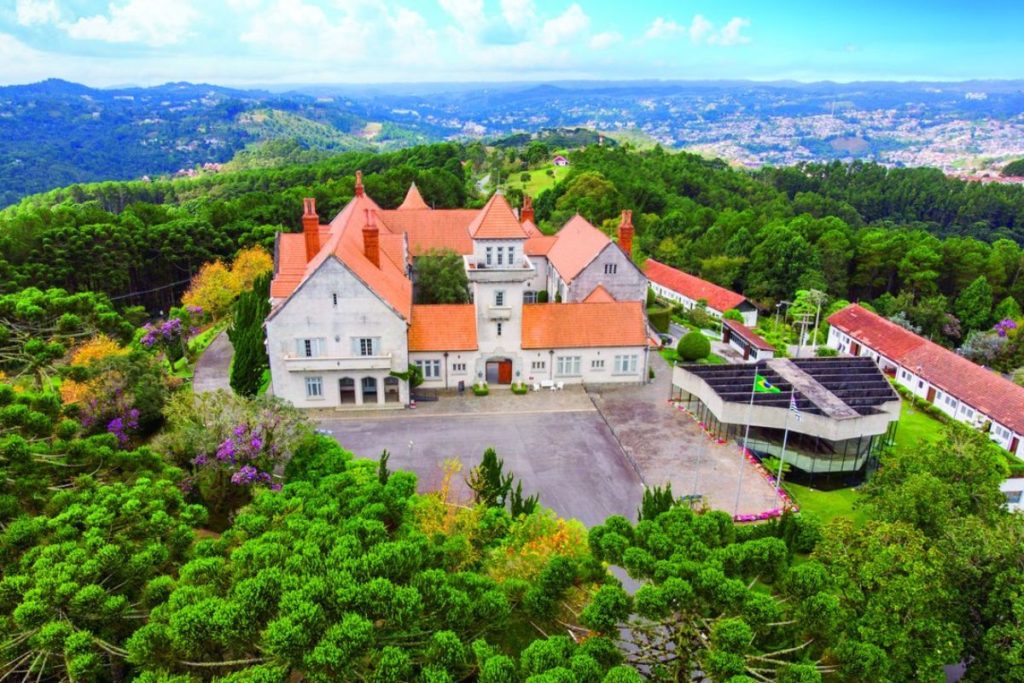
527, 213
310, 228
626, 233
371, 239
359, 184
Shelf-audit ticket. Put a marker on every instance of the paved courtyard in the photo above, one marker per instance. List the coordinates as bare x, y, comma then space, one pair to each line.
584, 461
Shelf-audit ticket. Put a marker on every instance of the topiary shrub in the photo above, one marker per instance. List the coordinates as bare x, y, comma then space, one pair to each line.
520, 388
542, 296
481, 389
652, 298
826, 352
733, 314
659, 318
693, 347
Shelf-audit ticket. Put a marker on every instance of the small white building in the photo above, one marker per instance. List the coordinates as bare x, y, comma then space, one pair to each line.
963, 390
672, 284
1013, 489
745, 341
343, 329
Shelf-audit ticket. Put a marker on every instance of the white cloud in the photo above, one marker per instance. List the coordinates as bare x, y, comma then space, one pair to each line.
565, 26
701, 31
731, 33
469, 14
413, 41
603, 41
519, 14
31, 12
306, 31
699, 28
152, 22
245, 5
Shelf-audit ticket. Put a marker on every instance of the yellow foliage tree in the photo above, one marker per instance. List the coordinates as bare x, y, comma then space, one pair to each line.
88, 354
249, 264
212, 289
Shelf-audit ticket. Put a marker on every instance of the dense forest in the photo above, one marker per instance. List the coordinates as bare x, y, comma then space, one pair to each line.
151, 534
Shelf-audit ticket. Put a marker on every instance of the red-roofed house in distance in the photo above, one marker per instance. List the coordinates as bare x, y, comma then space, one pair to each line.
689, 290
963, 390
343, 327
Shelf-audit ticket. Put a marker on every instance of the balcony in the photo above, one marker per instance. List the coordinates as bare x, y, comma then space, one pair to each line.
478, 271
499, 312
326, 363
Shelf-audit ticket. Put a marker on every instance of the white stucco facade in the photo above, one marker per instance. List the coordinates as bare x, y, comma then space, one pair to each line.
335, 328
748, 311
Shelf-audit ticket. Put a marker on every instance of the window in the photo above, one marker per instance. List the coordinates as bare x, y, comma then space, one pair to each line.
499, 298
459, 367
431, 368
501, 252
538, 365
489, 255
950, 401
309, 348
567, 365
969, 412
1012, 497
511, 255
611, 268
625, 364
366, 346
314, 387
597, 364
335, 298
920, 384
529, 297
499, 329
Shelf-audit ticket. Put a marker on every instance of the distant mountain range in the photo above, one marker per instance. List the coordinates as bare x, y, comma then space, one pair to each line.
55, 133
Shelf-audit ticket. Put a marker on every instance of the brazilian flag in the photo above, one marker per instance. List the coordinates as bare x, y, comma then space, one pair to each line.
763, 386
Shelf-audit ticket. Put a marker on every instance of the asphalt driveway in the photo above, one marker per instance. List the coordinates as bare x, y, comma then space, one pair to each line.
570, 458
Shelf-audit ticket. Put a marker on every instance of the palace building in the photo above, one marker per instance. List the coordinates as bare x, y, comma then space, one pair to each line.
343, 326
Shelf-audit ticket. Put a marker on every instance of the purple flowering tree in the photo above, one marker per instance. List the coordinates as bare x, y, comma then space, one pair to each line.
1005, 328
171, 336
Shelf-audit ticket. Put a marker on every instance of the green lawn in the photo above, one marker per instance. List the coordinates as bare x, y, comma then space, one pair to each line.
539, 179
915, 427
827, 505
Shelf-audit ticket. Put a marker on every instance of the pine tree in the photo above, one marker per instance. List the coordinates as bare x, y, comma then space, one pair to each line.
247, 336
974, 305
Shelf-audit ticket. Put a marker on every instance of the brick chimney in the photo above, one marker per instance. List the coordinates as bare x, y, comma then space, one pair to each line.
371, 239
359, 184
527, 213
310, 228
626, 233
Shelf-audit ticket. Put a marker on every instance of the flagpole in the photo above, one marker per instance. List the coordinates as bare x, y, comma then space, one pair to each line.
785, 440
746, 436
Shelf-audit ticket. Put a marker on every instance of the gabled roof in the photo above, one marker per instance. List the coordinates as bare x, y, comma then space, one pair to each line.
583, 325
413, 200
577, 245
983, 390
345, 242
432, 229
539, 246
751, 337
496, 221
692, 287
443, 327
600, 295
531, 229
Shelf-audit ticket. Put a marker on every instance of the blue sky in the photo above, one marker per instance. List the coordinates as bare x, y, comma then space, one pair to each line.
251, 42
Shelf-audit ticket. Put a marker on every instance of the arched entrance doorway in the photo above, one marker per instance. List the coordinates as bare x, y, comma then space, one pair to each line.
499, 371
369, 386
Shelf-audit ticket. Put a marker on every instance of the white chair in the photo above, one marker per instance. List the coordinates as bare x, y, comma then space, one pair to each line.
536, 387
560, 386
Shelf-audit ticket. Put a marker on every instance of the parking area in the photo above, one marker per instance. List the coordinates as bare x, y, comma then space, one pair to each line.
570, 457
584, 461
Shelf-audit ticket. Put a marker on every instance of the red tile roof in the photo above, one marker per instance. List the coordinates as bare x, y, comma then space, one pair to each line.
982, 389
577, 245
539, 246
443, 327
752, 338
497, 221
562, 326
531, 229
718, 298
432, 229
600, 295
413, 200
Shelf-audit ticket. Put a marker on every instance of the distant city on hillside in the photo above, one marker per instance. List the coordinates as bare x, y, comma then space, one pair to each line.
54, 133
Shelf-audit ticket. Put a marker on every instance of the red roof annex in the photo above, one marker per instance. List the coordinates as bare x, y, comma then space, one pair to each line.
983, 390
692, 287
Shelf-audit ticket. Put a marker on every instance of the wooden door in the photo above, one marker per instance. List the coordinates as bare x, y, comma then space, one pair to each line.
1013, 445
505, 372
854, 349
931, 394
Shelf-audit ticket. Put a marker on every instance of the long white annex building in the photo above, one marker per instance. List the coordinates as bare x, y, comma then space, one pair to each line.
963, 390
343, 322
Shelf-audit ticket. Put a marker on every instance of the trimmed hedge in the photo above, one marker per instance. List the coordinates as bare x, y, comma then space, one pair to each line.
693, 347
659, 318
